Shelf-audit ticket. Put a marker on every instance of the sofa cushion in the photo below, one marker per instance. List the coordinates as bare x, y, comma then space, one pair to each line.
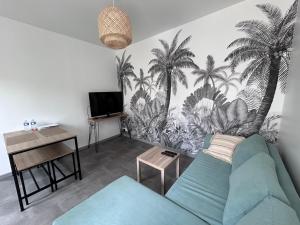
126, 202
203, 188
249, 184
270, 211
222, 146
248, 148
284, 179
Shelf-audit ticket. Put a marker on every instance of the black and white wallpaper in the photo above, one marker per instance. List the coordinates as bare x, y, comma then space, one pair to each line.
225, 72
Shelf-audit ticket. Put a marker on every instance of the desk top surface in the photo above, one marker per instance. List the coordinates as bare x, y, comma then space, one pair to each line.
113, 116
19, 141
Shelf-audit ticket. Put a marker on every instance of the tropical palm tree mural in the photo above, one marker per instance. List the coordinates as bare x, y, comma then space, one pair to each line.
229, 81
142, 81
267, 45
210, 73
168, 64
124, 72
152, 86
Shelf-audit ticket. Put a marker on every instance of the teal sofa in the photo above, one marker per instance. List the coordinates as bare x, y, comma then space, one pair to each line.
255, 190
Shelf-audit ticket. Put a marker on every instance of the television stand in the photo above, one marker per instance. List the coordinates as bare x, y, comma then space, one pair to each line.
94, 126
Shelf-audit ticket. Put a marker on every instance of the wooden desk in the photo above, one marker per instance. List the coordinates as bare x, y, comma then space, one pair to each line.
94, 126
27, 149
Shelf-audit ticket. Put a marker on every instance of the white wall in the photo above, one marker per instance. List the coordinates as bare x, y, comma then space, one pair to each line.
47, 77
289, 132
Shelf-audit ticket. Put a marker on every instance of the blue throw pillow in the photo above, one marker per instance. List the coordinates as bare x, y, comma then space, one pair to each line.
270, 211
248, 148
253, 181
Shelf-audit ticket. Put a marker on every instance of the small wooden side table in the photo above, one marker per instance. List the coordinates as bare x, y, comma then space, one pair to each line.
155, 159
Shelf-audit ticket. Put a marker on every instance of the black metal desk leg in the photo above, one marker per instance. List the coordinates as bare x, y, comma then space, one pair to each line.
96, 137
90, 134
77, 156
74, 166
50, 177
14, 173
54, 175
24, 188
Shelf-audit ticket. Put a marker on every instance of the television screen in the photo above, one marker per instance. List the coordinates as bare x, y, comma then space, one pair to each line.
105, 103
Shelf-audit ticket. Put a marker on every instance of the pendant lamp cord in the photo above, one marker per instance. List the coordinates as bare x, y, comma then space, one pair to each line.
113, 3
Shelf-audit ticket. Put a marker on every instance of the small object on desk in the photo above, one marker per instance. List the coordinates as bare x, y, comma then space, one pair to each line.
46, 125
33, 125
26, 125
168, 154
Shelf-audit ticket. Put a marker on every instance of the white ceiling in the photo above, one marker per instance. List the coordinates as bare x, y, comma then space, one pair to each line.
78, 18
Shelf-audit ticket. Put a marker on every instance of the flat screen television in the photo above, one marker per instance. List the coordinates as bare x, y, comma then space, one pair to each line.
105, 103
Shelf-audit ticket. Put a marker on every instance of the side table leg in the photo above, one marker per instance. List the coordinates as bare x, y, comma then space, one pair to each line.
162, 187
138, 171
177, 168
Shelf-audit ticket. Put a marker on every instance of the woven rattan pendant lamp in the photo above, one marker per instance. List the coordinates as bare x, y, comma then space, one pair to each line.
114, 27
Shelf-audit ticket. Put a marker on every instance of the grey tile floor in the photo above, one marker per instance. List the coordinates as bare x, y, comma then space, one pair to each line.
115, 158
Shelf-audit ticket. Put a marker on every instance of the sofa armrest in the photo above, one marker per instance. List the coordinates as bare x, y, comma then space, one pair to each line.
126, 202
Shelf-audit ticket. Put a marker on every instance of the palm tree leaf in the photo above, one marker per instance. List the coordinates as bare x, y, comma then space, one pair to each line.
253, 68
165, 45
243, 54
181, 77
210, 63
218, 77
174, 85
199, 79
123, 57
163, 81
156, 61
118, 60
247, 41
283, 74
129, 73
184, 43
182, 53
221, 69
291, 14
158, 53
185, 64
174, 42
156, 68
199, 72
127, 81
257, 30
233, 85
286, 35
272, 12
127, 66
234, 79
160, 78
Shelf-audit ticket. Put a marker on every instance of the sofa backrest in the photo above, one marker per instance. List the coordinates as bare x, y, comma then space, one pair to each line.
282, 174
285, 179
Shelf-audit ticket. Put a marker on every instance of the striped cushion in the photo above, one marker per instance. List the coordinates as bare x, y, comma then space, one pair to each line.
222, 146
